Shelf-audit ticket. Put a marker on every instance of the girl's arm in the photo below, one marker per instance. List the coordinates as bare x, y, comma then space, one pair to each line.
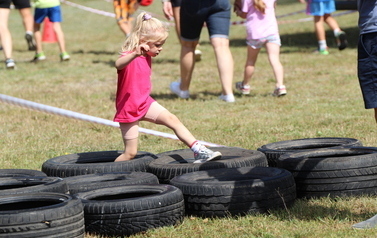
122, 62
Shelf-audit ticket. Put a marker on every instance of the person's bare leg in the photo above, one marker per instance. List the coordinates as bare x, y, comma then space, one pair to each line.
225, 63
60, 36
38, 37
319, 28
130, 150
252, 56
6, 38
273, 51
27, 19
187, 63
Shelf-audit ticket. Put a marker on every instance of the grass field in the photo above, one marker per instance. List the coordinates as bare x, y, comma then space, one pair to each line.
323, 100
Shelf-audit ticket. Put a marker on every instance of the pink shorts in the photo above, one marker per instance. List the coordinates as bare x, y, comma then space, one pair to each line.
131, 130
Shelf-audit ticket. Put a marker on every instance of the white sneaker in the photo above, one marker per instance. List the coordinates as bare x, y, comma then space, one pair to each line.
10, 64
174, 87
205, 155
227, 98
198, 55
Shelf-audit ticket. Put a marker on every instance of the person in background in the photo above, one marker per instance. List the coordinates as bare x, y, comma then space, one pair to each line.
216, 15
367, 53
124, 11
171, 9
262, 30
321, 11
133, 100
52, 10
6, 39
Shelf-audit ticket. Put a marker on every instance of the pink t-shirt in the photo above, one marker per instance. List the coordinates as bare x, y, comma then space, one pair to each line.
259, 25
134, 86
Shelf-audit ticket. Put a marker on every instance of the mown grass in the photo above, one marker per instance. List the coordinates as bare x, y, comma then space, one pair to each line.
324, 100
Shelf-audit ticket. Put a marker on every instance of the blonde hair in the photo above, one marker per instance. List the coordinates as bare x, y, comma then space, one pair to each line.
260, 6
146, 29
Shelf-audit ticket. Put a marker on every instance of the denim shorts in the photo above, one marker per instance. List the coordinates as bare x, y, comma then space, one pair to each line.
320, 8
215, 13
367, 68
259, 43
19, 4
53, 13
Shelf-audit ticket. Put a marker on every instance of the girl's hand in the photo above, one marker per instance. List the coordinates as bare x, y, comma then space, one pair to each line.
302, 1
142, 49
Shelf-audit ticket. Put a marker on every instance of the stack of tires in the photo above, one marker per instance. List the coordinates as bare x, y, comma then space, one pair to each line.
119, 199
88, 192
326, 167
239, 183
33, 205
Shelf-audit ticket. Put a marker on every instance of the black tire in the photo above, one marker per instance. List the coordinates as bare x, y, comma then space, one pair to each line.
18, 185
333, 172
274, 150
177, 162
123, 211
95, 162
37, 215
20, 173
83, 183
236, 191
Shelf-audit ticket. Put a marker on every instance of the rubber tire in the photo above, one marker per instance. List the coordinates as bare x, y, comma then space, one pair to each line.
127, 210
36, 215
334, 172
177, 162
19, 185
236, 191
83, 183
274, 150
20, 173
95, 162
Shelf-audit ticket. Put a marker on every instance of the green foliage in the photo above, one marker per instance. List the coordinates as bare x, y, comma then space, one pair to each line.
323, 100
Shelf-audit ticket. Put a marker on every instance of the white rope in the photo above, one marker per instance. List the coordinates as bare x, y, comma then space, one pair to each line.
83, 117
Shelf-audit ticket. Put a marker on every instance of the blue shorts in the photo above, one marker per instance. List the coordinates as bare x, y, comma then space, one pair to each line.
215, 13
367, 68
259, 43
320, 8
53, 14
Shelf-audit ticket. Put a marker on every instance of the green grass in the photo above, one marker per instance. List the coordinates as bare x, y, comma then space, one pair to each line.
324, 100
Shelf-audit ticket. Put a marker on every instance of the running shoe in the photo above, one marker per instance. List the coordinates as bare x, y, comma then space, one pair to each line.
205, 155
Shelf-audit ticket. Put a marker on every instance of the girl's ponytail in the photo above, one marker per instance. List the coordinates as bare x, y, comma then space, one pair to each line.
260, 6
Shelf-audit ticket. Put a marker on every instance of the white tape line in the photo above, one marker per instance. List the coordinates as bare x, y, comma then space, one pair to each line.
83, 117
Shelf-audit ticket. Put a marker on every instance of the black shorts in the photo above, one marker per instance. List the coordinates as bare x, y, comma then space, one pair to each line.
367, 68
176, 3
19, 4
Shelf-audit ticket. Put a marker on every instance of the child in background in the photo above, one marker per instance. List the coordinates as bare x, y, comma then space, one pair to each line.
262, 30
321, 11
124, 11
133, 102
52, 10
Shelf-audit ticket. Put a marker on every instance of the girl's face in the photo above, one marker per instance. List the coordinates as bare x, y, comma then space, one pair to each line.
155, 48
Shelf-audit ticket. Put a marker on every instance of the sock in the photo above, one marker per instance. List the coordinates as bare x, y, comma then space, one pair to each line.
322, 45
29, 33
336, 32
196, 146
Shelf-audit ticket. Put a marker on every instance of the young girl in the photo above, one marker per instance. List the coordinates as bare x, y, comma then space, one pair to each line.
133, 102
262, 30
